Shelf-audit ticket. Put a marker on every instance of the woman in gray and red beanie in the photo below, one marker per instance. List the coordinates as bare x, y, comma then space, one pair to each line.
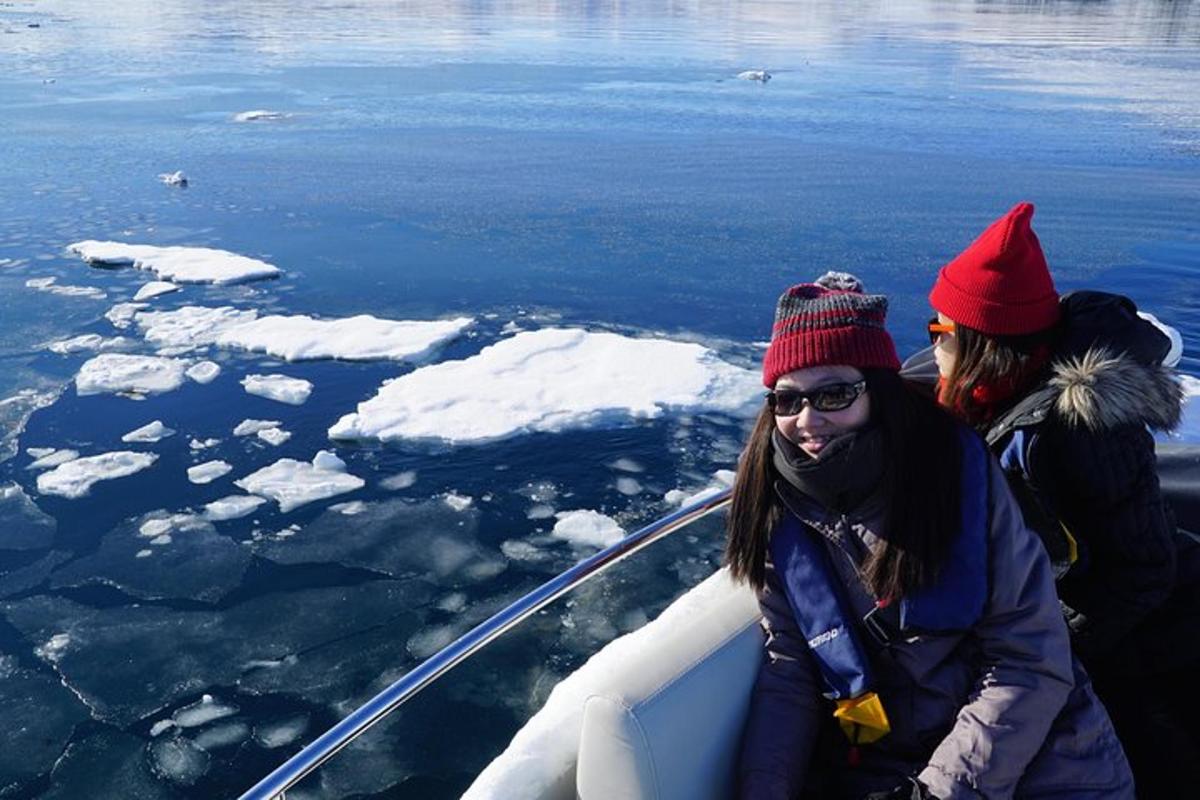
915, 647
1066, 392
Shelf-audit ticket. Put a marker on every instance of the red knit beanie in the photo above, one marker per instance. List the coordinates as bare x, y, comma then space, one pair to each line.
1000, 285
815, 326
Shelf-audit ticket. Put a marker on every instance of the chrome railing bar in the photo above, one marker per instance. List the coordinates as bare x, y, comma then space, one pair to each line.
361, 719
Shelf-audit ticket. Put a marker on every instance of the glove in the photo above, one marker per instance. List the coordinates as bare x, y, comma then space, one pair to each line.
911, 789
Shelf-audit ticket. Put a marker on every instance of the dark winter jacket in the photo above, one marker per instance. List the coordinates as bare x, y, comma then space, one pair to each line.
997, 711
1089, 463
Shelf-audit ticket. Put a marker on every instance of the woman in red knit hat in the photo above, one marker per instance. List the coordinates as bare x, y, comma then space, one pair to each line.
915, 647
1066, 392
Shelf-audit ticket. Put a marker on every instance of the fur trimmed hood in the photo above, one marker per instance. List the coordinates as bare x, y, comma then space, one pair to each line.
1102, 389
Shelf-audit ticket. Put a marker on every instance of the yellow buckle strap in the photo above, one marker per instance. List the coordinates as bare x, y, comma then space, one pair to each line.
862, 718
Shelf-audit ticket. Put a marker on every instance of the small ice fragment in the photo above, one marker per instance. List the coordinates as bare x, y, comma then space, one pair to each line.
259, 115
203, 444
627, 465
203, 372
282, 732
151, 432
274, 436
178, 760
755, 75
178, 264
628, 487
540, 511
587, 528
250, 426
721, 479
50, 285
235, 506
202, 712
87, 341
457, 501
453, 603
39, 452
209, 471
121, 315
350, 509
76, 478
54, 458
119, 373
428, 642
401, 480
281, 388
223, 735
163, 724
54, 648
154, 289
176, 178
517, 550
293, 483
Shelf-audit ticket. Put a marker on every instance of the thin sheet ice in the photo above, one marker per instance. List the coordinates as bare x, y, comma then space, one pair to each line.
550, 380
177, 264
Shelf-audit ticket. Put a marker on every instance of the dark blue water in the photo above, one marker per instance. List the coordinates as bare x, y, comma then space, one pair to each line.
587, 164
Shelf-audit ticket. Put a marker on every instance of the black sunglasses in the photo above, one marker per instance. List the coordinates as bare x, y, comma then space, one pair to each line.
834, 397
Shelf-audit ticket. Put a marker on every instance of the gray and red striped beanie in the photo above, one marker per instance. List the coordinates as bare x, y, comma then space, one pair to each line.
816, 326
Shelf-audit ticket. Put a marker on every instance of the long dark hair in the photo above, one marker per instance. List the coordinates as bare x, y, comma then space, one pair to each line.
921, 485
1005, 366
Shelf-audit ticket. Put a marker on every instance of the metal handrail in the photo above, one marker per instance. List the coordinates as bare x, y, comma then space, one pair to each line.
361, 719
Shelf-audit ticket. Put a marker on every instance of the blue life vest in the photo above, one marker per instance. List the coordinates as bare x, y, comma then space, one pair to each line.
955, 602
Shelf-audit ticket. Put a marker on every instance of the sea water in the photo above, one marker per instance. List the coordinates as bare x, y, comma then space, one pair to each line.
222, 530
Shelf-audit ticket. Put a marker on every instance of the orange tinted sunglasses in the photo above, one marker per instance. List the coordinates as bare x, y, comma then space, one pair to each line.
936, 329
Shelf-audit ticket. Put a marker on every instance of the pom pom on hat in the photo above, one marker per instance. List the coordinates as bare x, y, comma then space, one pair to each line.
1000, 285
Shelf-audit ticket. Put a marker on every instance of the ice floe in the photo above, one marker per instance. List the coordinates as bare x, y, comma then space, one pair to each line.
587, 528
755, 75
227, 734
361, 338
203, 444
202, 712
281, 388
234, 506
87, 341
401, 480
76, 478
154, 289
189, 327
178, 760
457, 501
722, 479
52, 286
278, 733
53, 458
150, 432
550, 380
274, 436
627, 465
118, 373
259, 115
177, 264
176, 178
203, 372
293, 483
121, 315
629, 486
248, 427
209, 471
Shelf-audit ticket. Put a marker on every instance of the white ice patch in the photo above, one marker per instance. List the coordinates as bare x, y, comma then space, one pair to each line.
760, 75
202, 712
88, 341
293, 483
209, 471
587, 528
54, 648
361, 338
178, 264
154, 289
457, 501
203, 372
627, 465
176, 178
224, 735
76, 478
248, 427
399, 481
722, 479
114, 373
50, 285
53, 459
190, 327
427, 642
38, 452
274, 436
283, 732
628, 486
235, 506
203, 444
121, 315
281, 388
350, 509
259, 115
540, 511
151, 432
550, 380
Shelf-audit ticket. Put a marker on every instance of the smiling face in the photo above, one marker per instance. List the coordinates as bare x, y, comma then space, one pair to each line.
812, 430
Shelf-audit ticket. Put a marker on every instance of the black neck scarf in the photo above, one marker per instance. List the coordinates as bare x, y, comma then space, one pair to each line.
843, 476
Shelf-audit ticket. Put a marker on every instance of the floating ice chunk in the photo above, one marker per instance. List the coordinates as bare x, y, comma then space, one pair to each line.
522, 551
154, 289
121, 315
293, 483
224, 735
453, 602
190, 327
178, 264
176, 178
293, 391
203, 372
160, 727
274, 436
151, 432
281, 732
427, 642
550, 380
76, 478
178, 760
755, 75
628, 487
587, 528
39, 452
350, 509
361, 338
259, 115
88, 341
209, 471
540, 511
721, 479
251, 426
54, 458
627, 465
50, 285
399, 481
203, 444
202, 712
53, 649
119, 373
457, 501
235, 506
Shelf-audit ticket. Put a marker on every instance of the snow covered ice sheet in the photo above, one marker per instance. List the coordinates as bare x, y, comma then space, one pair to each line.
150, 432
154, 289
550, 380
209, 471
281, 388
76, 478
203, 372
293, 483
177, 264
361, 338
248, 427
116, 373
